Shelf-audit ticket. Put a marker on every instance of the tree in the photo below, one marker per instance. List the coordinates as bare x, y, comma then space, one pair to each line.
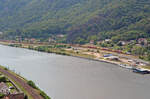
2, 95
3, 78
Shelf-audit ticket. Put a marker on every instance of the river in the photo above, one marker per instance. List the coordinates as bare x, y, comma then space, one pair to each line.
66, 77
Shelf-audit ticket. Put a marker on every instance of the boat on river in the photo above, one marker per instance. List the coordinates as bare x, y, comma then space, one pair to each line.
141, 70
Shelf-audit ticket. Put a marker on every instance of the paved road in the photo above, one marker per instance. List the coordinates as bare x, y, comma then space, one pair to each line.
29, 89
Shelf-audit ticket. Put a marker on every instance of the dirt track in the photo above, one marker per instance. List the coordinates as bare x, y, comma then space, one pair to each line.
29, 89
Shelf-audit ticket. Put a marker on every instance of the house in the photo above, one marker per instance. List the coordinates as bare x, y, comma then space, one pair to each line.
139, 45
4, 88
142, 41
32, 39
91, 41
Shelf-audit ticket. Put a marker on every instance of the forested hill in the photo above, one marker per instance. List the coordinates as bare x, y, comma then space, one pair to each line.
81, 20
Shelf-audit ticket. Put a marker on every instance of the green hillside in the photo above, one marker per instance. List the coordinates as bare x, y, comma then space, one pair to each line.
125, 20
81, 20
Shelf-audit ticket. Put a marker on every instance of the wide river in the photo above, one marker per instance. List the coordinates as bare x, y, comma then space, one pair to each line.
65, 77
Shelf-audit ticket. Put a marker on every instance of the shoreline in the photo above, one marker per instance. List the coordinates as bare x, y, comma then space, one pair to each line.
87, 58
22, 84
122, 61
95, 60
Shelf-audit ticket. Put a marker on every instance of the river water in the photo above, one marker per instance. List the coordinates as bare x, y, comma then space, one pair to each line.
65, 77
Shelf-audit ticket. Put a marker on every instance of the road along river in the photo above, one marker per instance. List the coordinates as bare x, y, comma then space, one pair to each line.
66, 77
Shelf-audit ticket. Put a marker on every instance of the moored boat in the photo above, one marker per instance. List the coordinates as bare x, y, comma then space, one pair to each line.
141, 71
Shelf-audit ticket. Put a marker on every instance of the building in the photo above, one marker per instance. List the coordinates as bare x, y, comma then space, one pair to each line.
113, 58
51, 40
123, 43
91, 41
108, 55
15, 96
4, 88
142, 41
60, 36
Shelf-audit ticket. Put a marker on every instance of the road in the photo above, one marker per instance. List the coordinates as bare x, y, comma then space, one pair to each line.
29, 89
117, 54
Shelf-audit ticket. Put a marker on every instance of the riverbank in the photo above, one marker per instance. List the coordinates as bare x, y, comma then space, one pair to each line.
23, 85
66, 77
83, 52
60, 51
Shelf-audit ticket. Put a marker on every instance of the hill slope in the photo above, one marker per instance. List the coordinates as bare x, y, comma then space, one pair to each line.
125, 20
81, 20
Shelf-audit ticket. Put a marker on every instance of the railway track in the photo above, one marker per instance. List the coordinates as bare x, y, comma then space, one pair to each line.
28, 88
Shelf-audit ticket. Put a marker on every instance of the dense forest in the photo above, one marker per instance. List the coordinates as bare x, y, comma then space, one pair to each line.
80, 20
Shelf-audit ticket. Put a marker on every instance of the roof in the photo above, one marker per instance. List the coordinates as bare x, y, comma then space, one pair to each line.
108, 55
4, 88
